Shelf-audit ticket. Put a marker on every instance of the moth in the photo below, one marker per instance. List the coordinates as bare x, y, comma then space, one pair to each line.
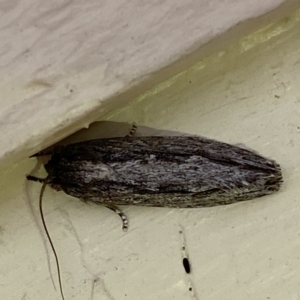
158, 171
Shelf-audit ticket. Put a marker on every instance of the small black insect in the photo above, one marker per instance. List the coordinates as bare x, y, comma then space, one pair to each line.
158, 171
186, 265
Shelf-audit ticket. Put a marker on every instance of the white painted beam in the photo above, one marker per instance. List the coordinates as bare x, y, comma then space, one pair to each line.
64, 64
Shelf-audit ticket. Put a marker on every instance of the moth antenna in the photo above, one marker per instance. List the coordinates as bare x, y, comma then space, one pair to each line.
37, 179
45, 182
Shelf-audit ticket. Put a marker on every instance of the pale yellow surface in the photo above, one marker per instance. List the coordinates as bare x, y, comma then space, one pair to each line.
248, 93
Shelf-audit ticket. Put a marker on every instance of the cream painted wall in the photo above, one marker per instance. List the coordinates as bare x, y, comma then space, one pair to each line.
247, 93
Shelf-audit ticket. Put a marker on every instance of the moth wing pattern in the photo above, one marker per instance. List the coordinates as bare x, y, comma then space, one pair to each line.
174, 171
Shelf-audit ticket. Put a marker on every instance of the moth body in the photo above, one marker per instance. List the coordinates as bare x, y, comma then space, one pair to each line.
175, 171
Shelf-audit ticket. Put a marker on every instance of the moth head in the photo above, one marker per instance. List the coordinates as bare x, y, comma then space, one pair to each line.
51, 167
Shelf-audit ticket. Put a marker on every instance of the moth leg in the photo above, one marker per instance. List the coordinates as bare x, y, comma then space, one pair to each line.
132, 131
121, 214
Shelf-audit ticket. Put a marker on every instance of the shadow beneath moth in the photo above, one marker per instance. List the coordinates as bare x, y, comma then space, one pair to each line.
157, 171
160, 171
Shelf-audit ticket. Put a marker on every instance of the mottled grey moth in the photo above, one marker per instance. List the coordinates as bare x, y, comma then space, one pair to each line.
159, 171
